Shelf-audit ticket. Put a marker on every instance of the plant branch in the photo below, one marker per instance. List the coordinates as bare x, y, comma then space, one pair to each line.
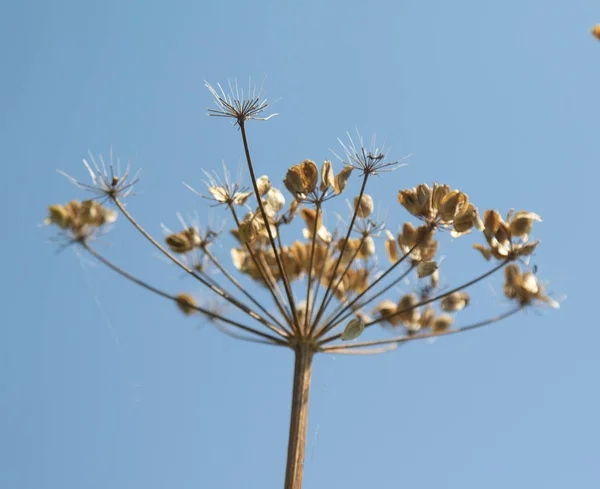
421, 336
212, 315
425, 302
178, 262
282, 269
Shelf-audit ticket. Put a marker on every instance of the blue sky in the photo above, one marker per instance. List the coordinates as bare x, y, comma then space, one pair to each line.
104, 386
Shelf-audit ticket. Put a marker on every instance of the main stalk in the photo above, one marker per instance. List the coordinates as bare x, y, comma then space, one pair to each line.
299, 417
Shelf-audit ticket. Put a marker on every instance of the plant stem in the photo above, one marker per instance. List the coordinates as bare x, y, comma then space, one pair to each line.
282, 269
299, 416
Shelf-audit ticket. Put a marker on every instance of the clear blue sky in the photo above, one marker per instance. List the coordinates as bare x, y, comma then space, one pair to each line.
103, 386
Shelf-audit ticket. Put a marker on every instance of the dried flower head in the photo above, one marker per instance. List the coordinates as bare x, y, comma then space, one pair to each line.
508, 239
107, 181
524, 287
80, 220
370, 161
301, 180
224, 190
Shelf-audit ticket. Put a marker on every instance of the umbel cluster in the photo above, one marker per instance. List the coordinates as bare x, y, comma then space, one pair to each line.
324, 286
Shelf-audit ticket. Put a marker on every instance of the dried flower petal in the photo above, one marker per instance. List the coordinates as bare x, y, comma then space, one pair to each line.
521, 224
426, 268
455, 302
327, 177
442, 323
341, 180
391, 248
365, 207
263, 184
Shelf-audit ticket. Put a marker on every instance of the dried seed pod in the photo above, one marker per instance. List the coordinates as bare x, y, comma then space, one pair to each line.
406, 310
241, 197
341, 180
435, 279
327, 177
353, 330
301, 179
263, 184
364, 208
186, 304
453, 205
391, 248
58, 215
367, 248
275, 200
427, 317
521, 224
442, 323
183, 241
596, 31
455, 301
426, 268
486, 252
408, 199
386, 309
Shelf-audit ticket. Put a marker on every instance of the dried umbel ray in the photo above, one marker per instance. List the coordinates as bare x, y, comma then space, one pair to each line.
346, 291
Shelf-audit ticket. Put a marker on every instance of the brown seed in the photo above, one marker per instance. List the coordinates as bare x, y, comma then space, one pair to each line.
186, 304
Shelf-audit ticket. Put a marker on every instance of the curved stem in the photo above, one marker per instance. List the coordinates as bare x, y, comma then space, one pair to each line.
299, 417
147, 286
425, 302
233, 280
421, 336
282, 270
212, 287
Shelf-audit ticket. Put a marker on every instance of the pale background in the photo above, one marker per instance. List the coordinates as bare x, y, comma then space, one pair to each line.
104, 386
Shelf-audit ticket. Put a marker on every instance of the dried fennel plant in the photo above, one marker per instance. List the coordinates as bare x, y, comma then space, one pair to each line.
326, 288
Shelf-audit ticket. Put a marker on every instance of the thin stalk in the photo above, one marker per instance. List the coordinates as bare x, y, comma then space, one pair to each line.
331, 324
268, 279
327, 326
318, 283
234, 281
282, 270
337, 264
339, 282
180, 264
299, 417
147, 286
310, 267
425, 302
421, 336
